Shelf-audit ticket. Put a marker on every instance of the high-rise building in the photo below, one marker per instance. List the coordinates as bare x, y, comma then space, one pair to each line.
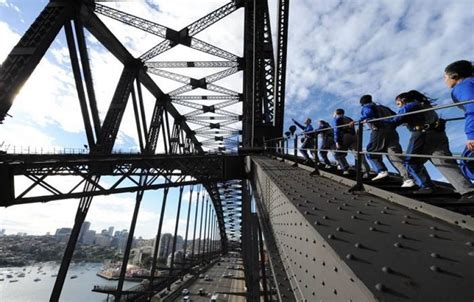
164, 249
2, 232
88, 238
84, 229
62, 234
111, 231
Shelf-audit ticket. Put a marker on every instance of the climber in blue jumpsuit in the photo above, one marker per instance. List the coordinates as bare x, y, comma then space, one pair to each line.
459, 76
307, 140
428, 137
327, 142
383, 138
345, 138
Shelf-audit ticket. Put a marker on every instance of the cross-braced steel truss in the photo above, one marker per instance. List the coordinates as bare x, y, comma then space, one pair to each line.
187, 129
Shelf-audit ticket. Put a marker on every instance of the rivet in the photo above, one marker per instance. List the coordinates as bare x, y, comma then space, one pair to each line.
406, 216
434, 255
331, 236
315, 208
339, 229
325, 217
344, 204
316, 222
350, 257
359, 212
433, 228
401, 236
339, 208
380, 287
358, 245
376, 222
387, 270
404, 222
469, 243
306, 212
372, 229
382, 212
433, 236
353, 217
434, 268
398, 244
300, 205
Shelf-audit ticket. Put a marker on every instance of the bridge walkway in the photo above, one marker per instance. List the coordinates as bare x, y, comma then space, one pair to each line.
341, 245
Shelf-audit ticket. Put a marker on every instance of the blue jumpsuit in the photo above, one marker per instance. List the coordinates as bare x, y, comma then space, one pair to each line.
383, 138
427, 139
327, 141
346, 138
464, 91
308, 141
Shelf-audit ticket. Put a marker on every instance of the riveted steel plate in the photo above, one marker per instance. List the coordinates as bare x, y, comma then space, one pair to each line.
340, 246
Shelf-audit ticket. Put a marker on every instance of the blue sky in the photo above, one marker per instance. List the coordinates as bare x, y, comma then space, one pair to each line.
337, 51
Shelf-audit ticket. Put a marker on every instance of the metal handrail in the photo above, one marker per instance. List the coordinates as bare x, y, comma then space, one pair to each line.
382, 118
386, 153
359, 152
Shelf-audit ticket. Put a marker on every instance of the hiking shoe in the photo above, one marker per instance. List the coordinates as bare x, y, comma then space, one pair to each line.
345, 173
408, 183
381, 175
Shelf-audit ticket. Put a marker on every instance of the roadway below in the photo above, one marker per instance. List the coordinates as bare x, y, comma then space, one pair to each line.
228, 288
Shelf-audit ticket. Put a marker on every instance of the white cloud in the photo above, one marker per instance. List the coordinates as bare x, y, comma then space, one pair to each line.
381, 47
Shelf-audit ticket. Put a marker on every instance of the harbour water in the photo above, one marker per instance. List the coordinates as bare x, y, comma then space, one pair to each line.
30, 289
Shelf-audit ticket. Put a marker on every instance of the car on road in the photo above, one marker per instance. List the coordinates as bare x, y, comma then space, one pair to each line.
207, 278
201, 276
185, 292
214, 298
202, 292
186, 299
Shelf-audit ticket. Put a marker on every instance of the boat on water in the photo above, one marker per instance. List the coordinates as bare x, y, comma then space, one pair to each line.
73, 276
14, 280
21, 275
9, 276
37, 279
1, 279
55, 275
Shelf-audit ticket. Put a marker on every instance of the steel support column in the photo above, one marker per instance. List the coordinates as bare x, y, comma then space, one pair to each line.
128, 247
191, 189
250, 246
195, 226
200, 228
173, 249
158, 237
81, 214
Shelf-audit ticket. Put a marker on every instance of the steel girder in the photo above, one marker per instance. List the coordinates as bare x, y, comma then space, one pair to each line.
263, 106
24, 57
125, 169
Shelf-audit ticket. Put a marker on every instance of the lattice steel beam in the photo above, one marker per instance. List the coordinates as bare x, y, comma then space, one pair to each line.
280, 77
40, 169
183, 37
192, 64
25, 56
